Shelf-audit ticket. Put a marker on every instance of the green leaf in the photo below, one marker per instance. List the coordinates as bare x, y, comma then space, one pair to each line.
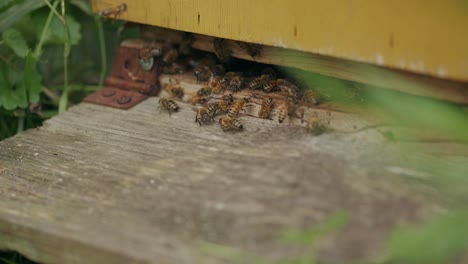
4, 3
12, 88
308, 236
56, 33
17, 12
431, 243
14, 39
32, 79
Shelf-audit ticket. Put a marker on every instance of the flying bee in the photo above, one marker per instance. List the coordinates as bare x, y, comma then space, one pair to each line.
170, 56
174, 89
235, 83
168, 104
203, 116
202, 73
217, 70
288, 87
221, 50
253, 50
235, 108
265, 110
269, 86
195, 99
204, 91
228, 123
310, 98
114, 11
225, 81
258, 82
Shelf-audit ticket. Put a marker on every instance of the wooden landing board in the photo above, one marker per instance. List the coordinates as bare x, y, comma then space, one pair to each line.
102, 185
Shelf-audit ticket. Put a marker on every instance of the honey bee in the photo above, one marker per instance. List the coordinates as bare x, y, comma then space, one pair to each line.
195, 99
113, 11
174, 89
204, 91
203, 116
202, 73
168, 104
258, 82
235, 83
269, 86
235, 108
226, 80
217, 70
221, 51
310, 98
221, 106
283, 112
170, 56
215, 84
228, 123
253, 50
288, 87
265, 110
228, 98
146, 57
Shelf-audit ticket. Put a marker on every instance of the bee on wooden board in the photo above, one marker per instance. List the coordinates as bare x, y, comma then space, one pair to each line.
288, 108
288, 87
215, 85
315, 125
174, 89
203, 116
235, 108
228, 123
310, 98
114, 12
226, 80
258, 82
168, 104
202, 73
253, 50
170, 56
195, 99
221, 106
235, 83
269, 86
204, 91
265, 109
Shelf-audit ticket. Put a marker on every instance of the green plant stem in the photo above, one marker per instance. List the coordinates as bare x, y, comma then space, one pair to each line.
20, 124
66, 50
102, 48
38, 49
54, 10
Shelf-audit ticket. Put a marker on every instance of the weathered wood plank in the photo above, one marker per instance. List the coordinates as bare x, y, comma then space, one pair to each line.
104, 185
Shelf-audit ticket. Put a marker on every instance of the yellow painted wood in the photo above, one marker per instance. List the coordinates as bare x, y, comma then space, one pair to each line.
429, 37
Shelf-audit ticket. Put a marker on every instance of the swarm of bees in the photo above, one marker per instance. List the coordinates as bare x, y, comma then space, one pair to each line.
227, 94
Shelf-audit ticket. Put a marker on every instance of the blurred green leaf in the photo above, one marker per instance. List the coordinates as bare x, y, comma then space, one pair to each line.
55, 34
307, 237
17, 12
12, 88
4, 3
14, 39
431, 243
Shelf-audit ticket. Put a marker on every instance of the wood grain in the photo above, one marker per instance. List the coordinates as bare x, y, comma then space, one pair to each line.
102, 185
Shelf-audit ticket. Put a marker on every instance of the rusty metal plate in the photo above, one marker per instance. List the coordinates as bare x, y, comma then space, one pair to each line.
130, 82
115, 97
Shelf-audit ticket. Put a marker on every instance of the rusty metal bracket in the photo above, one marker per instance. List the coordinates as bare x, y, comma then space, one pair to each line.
132, 80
